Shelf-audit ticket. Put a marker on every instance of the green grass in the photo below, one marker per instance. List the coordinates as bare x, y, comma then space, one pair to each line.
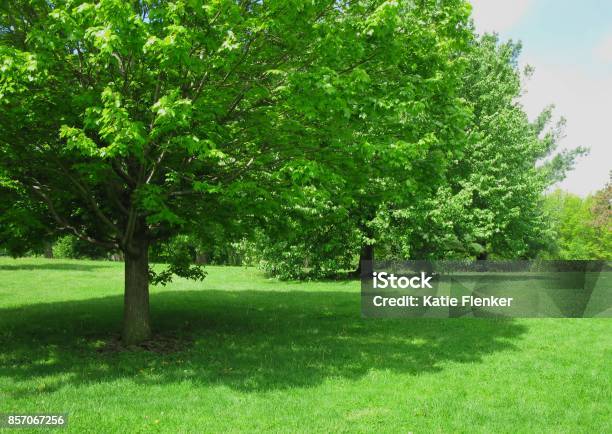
287, 357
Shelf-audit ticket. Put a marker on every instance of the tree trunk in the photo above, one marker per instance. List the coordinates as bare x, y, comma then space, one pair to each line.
201, 258
136, 318
366, 262
48, 250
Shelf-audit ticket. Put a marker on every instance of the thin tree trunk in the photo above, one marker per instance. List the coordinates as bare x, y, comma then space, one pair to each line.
366, 262
136, 317
483, 256
201, 258
48, 250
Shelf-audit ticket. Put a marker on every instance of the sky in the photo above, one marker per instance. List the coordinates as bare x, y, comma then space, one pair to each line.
569, 43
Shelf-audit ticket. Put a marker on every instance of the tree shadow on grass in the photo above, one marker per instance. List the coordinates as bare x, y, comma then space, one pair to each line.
246, 340
59, 266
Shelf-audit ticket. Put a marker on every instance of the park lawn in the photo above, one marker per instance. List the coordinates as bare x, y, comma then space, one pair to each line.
257, 354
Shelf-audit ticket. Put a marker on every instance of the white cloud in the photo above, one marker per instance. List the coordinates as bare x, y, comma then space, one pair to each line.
603, 50
584, 98
498, 16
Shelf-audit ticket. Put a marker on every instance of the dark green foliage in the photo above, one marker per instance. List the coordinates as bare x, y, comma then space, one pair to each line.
71, 247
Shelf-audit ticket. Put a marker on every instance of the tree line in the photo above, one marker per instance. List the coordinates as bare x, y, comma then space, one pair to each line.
308, 133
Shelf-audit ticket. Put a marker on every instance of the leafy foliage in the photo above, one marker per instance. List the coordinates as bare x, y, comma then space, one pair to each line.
134, 121
314, 128
480, 196
71, 247
581, 228
396, 154
490, 204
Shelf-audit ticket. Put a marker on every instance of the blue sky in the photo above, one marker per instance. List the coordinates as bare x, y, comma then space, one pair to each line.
569, 44
565, 30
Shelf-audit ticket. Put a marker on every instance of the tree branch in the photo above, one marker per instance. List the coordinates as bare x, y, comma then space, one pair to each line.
123, 174
64, 224
89, 198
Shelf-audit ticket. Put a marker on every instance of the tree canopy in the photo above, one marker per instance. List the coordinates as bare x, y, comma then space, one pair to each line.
491, 205
485, 199
125, 123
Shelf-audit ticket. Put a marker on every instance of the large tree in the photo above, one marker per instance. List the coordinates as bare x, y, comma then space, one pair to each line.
483, 200
419, 128
491, 204
126, 122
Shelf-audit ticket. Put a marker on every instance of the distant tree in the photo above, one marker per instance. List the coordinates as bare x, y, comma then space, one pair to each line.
478, 197
21, 228
601, 209
581, 228
72, 247
491, 204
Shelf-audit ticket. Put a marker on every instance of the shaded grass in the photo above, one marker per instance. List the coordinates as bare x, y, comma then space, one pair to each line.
265, 355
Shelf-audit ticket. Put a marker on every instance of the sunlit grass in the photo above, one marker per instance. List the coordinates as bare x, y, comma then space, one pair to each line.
264, 355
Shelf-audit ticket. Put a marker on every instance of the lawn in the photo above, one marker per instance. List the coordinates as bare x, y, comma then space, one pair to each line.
241, 353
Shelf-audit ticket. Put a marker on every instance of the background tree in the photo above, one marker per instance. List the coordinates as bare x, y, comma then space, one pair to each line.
601, 208
484, 200
23, 228
581, 227
491, 204
419, 125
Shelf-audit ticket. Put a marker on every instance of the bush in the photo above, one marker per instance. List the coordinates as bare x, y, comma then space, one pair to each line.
71, 247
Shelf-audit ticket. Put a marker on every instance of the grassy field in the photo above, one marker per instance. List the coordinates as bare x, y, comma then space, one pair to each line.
255, 354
